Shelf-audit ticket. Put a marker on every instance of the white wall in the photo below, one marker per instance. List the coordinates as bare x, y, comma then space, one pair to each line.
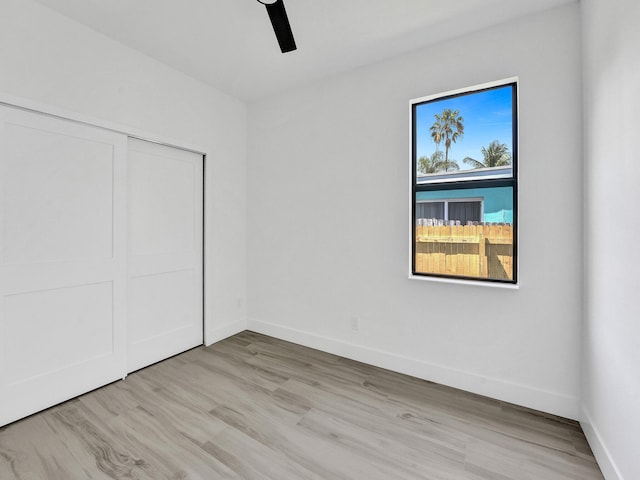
49, 59
329, 230
611, 391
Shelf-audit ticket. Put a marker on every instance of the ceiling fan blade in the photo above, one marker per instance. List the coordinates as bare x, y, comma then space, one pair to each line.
281, 26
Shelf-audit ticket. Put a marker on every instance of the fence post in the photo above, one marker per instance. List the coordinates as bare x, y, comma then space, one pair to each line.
482, 251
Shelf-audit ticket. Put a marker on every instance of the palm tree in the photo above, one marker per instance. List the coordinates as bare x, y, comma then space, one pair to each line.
435, 163
436, 131
449, 126
431, 164
495, 155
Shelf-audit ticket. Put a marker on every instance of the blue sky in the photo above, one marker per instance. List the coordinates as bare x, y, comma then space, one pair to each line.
487, 117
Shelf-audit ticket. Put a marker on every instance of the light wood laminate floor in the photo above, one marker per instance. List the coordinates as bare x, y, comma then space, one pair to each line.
253, 407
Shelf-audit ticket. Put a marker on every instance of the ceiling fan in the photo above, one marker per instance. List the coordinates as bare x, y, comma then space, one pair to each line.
280, 23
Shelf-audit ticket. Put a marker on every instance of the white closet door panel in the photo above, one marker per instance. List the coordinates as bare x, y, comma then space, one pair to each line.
83, 329
62, 260
165, 252
59, 196
162, 199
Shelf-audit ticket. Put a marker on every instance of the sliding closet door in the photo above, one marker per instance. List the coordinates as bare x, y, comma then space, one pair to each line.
62, 260
165, 252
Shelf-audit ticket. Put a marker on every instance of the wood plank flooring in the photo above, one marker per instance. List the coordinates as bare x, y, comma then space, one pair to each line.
253, 407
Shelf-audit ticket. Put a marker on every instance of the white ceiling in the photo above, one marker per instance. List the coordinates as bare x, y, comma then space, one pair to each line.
230, 45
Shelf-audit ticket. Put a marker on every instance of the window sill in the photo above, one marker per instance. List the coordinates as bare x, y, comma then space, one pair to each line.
475, 283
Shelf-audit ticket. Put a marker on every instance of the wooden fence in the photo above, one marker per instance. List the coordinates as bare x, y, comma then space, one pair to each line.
484, 251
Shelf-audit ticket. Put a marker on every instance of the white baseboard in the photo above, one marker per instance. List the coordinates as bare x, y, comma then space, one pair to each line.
599, 448
214, 335
526, 396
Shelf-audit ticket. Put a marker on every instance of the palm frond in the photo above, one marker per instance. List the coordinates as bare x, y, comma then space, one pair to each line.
473, 162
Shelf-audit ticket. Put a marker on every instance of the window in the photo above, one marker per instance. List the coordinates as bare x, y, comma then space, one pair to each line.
461, 211
464, 157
